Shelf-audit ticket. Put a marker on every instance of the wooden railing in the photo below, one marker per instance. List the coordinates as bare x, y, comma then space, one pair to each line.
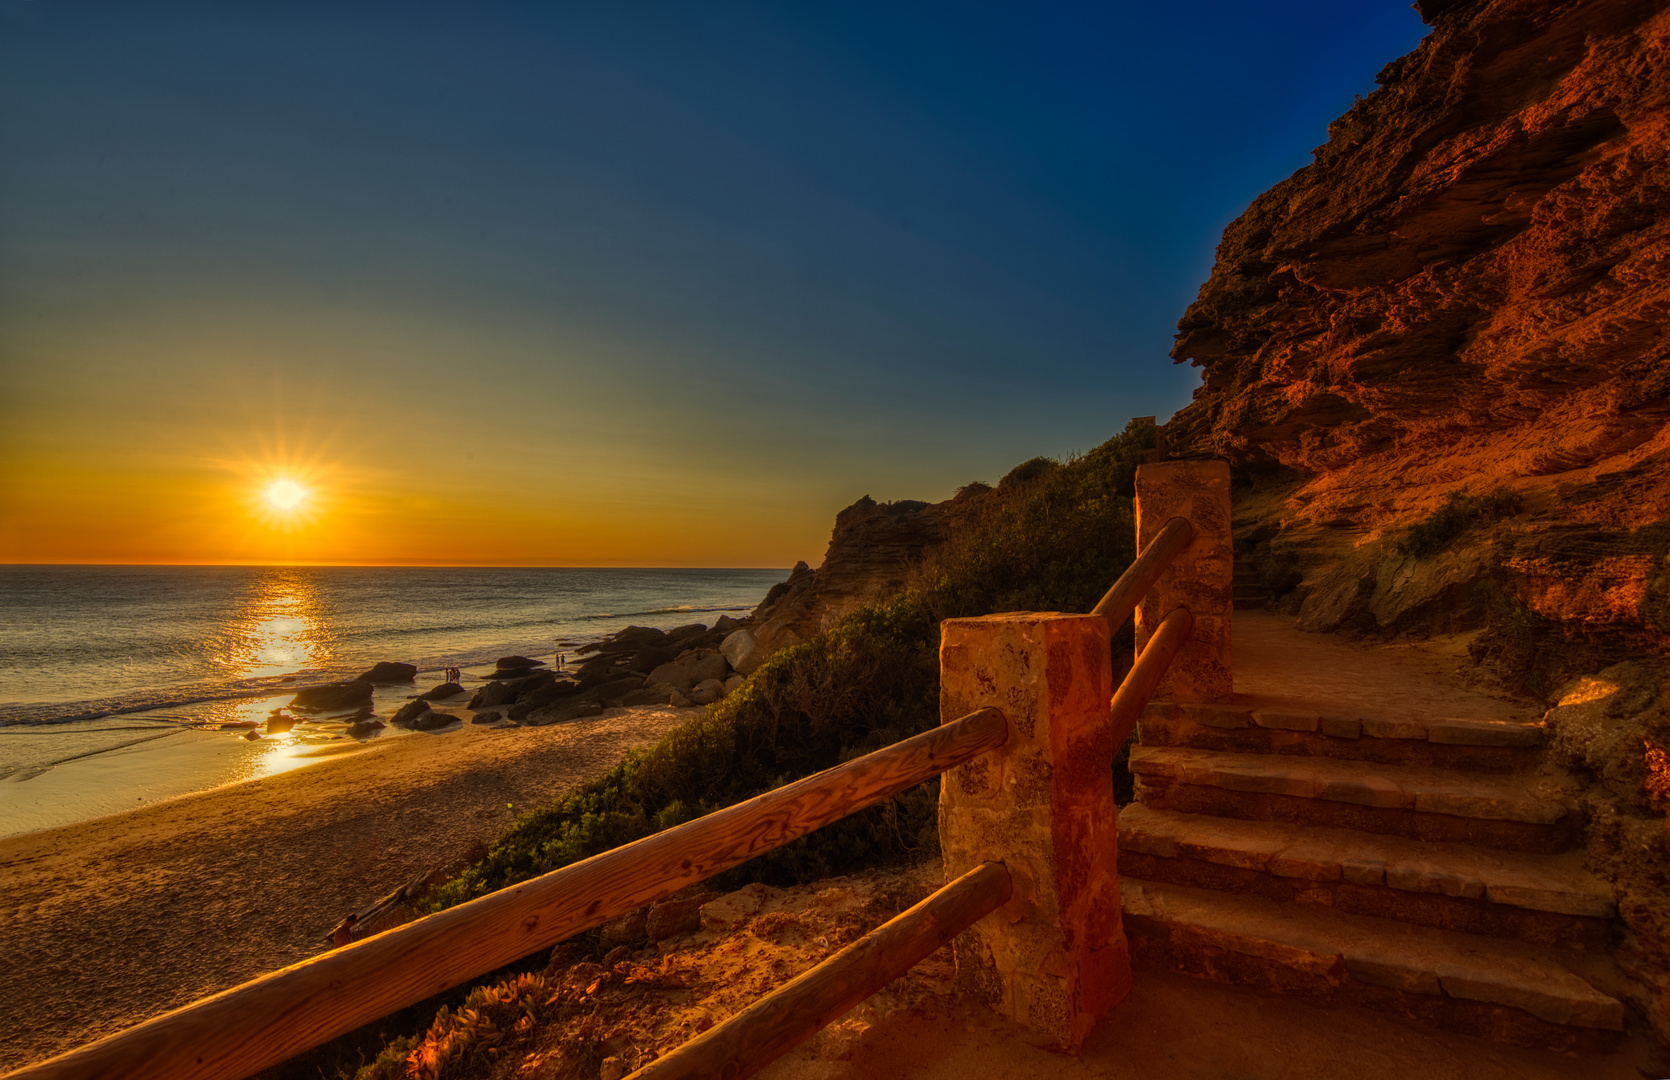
271, 1019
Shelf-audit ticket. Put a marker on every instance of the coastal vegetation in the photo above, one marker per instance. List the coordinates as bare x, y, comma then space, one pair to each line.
1459, 512
1050, 536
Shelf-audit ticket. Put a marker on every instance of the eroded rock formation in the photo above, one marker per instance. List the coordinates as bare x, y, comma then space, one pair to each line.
869, 556
1468, 289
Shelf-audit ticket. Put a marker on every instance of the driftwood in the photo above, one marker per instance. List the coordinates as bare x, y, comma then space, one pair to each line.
353, 926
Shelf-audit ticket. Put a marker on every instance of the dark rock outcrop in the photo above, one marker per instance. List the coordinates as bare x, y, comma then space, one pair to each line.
408, 715
333, 697
869, 556
389, 672
442, 692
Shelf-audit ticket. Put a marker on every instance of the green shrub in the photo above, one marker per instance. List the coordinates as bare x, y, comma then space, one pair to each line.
1459, 512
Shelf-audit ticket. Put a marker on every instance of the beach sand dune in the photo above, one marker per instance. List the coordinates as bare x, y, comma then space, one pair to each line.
111, 921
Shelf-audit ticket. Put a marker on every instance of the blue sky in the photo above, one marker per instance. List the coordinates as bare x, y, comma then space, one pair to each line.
615, 283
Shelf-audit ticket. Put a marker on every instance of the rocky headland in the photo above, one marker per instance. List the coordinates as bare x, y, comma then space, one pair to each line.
1468, 291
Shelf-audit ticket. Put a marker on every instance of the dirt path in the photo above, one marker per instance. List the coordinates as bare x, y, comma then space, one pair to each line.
1277, 663
111, 921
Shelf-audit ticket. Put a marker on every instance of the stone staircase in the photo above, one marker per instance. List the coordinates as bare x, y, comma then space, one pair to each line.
1249, 591
1403, 864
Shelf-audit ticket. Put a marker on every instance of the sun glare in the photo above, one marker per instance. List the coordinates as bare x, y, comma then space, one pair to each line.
286, 494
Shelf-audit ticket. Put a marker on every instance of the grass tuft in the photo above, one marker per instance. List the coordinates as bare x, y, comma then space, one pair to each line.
1459, 513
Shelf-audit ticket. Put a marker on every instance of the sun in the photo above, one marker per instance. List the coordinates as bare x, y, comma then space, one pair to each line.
285, 494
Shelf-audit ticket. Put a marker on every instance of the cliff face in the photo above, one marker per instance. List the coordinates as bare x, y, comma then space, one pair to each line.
1468, 289
869, 556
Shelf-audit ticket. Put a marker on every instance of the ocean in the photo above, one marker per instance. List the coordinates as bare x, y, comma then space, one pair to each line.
120, 684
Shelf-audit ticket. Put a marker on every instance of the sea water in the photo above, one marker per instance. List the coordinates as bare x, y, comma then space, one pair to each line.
122, 684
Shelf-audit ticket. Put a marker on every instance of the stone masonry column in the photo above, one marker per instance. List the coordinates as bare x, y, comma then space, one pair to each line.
1201, 578
1054, 957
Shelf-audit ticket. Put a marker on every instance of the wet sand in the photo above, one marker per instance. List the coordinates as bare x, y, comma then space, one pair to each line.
105, 923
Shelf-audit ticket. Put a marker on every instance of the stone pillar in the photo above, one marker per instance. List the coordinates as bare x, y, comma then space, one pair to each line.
1201, 578
1054, 958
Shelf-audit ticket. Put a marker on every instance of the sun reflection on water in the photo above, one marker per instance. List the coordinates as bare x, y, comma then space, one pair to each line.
280, 630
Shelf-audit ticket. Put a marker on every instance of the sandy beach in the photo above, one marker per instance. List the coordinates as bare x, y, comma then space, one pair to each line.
110, 921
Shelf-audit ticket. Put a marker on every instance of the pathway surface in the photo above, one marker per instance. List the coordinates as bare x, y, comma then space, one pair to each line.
1278, 664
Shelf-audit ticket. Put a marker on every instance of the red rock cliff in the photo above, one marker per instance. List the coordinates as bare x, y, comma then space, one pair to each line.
1469, 288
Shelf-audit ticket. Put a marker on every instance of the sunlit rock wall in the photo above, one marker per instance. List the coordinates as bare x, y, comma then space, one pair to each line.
1469, 288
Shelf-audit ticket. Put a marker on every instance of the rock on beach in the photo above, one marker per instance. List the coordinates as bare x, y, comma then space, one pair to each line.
333, 696
389, 672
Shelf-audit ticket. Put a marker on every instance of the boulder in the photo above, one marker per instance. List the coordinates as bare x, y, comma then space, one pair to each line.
410, 713
596, 671
678, 700
494, 693
387, 672
725, 914
492, 716
742, 652
442, 692
707, 692
278, 723
333, 696
727, 625
541, 697
694, 629
433, 721
640, 637
732, 683
363, 728
647, 660
626, 930
695, 666
672, 917
505, 662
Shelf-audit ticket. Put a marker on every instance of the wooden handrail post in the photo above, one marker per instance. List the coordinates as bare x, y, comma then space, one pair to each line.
1199, 578
1054, 958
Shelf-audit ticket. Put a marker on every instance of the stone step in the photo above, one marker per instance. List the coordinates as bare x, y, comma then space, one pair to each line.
1508, 991
1548, 899
1259, 728
1418, 803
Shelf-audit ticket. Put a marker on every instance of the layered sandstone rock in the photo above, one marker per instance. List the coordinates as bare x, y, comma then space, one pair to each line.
870, 553
1468, 289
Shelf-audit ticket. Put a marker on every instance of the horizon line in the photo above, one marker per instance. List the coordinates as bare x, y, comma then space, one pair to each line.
389, 566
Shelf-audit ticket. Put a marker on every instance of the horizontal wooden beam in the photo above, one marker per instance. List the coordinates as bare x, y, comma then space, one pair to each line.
1133, 694
1122, 599
271, 1019
780, 1021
